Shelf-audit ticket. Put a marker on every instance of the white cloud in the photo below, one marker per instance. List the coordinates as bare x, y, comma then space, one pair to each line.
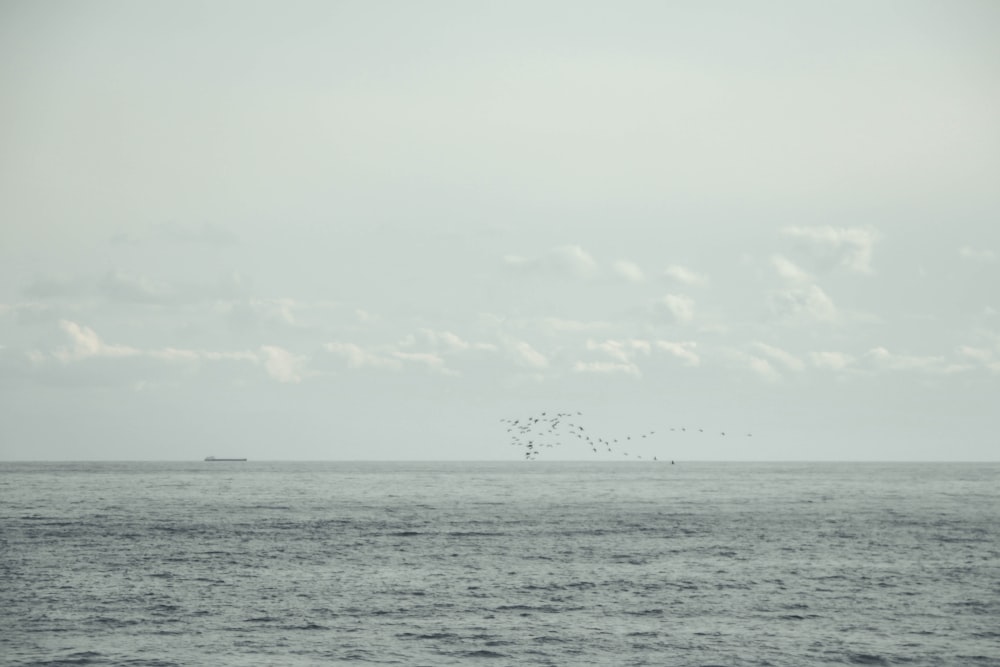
128, 288
682, 350
766, 361
569, 260
980, 354
454, 342
125, 288
256, 312
442, 344
985, 357
849, 247
87, 344
282, 365
606, 367
574, 259
685, 276
788, 270
281, 310
833, 361
810, 301
676, 307
431, 361
30, 312
763, 368
622, 354
628, 270
358, 357
786, 359
446, 340
172, 354
882, 358
210, 355
555, 325
525, 355
977, 254
519, 262
611, 348
758, 365
620, 350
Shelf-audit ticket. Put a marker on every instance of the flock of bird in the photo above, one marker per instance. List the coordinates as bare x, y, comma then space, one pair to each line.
551, 429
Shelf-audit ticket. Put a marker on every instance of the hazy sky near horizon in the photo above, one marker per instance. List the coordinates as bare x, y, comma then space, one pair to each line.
371, 230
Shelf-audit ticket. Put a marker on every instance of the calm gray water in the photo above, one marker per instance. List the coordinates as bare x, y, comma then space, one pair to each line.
526, 563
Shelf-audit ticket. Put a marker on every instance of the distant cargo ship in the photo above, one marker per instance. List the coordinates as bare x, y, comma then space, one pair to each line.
212, 458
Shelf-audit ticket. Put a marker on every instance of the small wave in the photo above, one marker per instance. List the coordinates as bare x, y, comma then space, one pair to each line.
428, 635
866, 659
984, 659
628, 558
526, 610
683, 585
49, 521
79, 658
733, 585
646, 612
114, 622
306, 626
543, 587
483, 653
974, 606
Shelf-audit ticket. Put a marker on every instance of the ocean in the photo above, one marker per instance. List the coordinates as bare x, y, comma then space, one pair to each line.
506, 563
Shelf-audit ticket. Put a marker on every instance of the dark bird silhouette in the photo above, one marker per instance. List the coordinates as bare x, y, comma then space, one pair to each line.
550, 429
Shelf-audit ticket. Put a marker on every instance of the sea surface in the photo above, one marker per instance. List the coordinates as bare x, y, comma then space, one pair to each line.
511, 563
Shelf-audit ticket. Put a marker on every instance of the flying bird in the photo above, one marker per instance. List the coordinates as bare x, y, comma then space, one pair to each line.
549, 429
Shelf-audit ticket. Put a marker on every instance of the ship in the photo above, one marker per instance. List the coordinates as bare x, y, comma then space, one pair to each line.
212, 458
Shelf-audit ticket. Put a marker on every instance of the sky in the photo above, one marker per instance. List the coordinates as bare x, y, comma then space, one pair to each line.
372, 230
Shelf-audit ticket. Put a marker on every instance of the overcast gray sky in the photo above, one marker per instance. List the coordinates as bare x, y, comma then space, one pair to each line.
370, 230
